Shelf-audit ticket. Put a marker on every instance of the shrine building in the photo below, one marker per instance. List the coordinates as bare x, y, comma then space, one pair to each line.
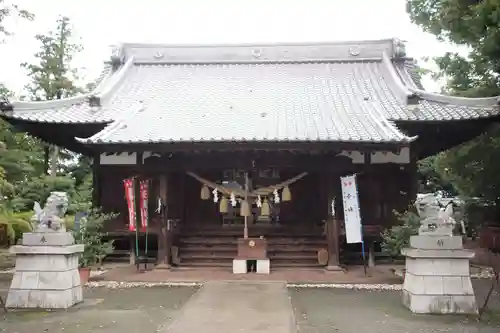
284, 121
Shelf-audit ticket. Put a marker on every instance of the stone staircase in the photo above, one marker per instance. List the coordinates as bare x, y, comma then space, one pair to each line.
217, 246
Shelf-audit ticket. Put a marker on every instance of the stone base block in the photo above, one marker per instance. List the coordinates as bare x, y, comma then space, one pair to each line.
239, 266
44, 299
436, 242
440, 304
46, 277
263, 266
48, 238
438, 281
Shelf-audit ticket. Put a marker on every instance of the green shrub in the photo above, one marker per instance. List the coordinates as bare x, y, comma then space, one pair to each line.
397, 237
90, 235
17, 224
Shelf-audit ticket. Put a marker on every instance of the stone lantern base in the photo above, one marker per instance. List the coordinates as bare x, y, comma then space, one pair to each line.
46, 274
437, 278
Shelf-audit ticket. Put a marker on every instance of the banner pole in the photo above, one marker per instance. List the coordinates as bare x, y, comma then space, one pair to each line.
137, 198
364, 255
146, 218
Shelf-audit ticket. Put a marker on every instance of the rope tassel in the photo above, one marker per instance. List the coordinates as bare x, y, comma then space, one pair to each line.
205, 192
286, 194
265, 210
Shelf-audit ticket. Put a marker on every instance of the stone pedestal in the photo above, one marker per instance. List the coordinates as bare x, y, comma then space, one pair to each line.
437, 278
252, 249
46, 274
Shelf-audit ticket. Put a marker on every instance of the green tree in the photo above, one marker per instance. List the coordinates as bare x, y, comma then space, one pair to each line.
472, 23
52, 76
475, 24
8, 9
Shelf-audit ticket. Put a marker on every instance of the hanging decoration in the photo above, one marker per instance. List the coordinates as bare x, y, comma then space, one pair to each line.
216, 195
265, 210
244, 196
158, 205
276, 195
223, 205
286, 195
233, 200
130, 196
144, 188
333, 207
205, 192
245, 208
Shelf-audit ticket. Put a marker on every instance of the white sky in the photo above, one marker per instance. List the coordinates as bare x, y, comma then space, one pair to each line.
101, 23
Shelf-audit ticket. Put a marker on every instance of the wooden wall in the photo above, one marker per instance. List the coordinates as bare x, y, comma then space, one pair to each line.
382, 189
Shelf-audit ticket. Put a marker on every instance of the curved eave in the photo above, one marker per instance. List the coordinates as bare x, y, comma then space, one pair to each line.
411, 94
484, 118
62, 135
438, 136
10, 116
78, 108
480, 102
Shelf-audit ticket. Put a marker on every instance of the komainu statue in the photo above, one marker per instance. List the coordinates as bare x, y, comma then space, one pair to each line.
437, 219
50, 218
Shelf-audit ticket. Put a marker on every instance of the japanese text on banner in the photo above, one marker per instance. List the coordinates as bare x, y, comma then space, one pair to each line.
129, 196
144, 186
352, 216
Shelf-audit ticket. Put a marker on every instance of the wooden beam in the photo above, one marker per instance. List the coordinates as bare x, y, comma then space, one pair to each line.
245, 146
218, 161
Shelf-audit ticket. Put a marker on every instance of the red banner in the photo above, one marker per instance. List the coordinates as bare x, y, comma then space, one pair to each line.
144, 186
129, 196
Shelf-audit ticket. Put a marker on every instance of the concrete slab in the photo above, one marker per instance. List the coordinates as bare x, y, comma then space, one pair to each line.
228, 307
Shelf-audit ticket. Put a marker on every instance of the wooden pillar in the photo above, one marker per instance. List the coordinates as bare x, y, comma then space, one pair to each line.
164, 238
371, 254
413, 188
332, 227
96, 186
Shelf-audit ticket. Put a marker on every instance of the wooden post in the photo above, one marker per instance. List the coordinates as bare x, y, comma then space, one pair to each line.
245, 228
371, 254
163, 260
332, 228
96, 186
132, 255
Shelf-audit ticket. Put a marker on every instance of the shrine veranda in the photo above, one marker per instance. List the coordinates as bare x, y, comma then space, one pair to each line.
183, 116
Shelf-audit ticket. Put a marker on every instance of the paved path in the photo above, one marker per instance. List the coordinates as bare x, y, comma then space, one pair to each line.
233, 307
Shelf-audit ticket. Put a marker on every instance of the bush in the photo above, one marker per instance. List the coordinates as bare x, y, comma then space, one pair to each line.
397, 237
16, 224
90, 235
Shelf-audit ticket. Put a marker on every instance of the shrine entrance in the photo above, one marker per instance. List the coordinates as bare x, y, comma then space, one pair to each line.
249, 198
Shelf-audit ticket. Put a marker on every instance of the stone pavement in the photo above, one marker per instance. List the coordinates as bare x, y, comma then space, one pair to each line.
230, 307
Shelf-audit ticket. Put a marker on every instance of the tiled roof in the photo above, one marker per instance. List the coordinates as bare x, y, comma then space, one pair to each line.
256, 102
74, 110
350, 91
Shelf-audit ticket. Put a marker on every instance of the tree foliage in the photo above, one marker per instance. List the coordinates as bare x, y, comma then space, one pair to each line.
52, 76
471, 167
472, 23
8, 9
23, 168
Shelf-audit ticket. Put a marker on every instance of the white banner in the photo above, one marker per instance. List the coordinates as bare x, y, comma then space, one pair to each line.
352, 216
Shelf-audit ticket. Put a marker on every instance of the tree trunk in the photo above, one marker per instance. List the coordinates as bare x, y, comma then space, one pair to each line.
54, 162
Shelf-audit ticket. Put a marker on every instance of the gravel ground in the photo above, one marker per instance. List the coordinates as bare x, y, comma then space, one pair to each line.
130, 310
351, 311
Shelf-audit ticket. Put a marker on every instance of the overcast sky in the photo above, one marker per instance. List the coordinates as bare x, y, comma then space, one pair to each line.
101, 23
